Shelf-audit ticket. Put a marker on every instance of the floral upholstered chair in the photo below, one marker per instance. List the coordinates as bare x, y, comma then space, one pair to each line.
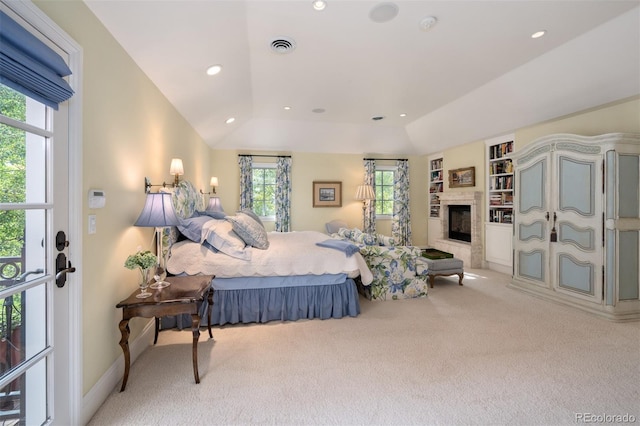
399, 272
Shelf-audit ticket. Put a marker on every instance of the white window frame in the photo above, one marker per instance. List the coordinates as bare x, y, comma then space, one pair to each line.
393, 169
265, 166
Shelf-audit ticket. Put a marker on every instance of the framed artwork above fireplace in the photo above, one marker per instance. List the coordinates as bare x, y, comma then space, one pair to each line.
463, 177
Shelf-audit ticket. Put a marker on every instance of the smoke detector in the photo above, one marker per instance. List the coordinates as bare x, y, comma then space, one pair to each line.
427, 23
383, 12
282, 45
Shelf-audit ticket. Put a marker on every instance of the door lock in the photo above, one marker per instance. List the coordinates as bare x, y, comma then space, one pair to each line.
62, 270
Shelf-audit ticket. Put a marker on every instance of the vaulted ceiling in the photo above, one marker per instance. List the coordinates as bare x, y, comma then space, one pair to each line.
475, 74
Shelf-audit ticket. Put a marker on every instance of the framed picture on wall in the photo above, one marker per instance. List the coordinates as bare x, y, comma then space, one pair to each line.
327, 194
462, 177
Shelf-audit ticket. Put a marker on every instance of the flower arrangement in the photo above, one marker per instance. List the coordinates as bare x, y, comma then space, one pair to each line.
141, 259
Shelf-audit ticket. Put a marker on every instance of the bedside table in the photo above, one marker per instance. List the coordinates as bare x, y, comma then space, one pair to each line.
183, 296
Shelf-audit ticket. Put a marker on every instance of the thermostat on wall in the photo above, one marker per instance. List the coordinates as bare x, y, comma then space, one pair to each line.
97, 198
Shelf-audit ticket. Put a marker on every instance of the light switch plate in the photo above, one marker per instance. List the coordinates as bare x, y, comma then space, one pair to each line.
92, 224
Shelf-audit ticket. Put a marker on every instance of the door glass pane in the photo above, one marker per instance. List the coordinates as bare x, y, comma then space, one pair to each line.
15, 407
22, 241
19, 107
22, 335
20, 150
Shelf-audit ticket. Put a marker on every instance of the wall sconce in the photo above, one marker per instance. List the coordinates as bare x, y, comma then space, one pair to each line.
176, 169
213, 184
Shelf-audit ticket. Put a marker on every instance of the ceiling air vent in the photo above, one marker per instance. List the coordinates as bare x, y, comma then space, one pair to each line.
283, 45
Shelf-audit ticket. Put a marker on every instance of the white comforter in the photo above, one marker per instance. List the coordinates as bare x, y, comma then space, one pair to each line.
289, 253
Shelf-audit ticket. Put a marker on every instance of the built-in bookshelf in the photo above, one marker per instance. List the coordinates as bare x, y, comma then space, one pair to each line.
435, 186
500, 195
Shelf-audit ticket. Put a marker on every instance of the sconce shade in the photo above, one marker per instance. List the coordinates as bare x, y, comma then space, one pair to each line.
158, 211
214, 205
176, 168
214, 181
365, 192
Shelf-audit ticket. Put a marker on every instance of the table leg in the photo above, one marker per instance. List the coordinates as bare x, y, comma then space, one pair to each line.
124, 343
155, 337
210, 301
195, 324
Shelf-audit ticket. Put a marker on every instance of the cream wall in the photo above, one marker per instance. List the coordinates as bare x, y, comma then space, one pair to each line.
623, 117
309, 167
129, 131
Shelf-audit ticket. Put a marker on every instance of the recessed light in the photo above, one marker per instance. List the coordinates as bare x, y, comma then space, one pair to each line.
230, 120
214, 69
319, 5
287, 108
403, 115
318, 110
538, 34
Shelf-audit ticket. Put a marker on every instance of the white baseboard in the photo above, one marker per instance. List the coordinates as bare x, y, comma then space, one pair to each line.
503, 269
92, 401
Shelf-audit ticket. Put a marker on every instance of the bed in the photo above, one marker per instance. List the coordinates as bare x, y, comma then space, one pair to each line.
261, 276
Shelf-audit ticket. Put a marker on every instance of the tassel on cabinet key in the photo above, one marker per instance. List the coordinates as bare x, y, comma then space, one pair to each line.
554, 235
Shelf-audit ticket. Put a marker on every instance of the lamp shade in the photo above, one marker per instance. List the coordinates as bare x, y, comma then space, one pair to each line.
214, 181
214, 205
158, 211
365, 192
176, 168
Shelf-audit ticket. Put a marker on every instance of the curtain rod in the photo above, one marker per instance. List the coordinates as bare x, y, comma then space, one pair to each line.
388, 159
269, 156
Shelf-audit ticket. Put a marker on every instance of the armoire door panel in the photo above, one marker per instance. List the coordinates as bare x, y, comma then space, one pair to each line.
576, 185
536, 230
532, 265
576, 275
533, 178
581, 238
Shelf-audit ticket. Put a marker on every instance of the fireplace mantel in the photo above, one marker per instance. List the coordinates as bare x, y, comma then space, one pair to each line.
470, 253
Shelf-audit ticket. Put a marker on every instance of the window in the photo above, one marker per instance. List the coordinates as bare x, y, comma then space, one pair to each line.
384, 178
264, 189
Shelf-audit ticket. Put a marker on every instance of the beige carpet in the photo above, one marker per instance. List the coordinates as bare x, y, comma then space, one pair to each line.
477, 354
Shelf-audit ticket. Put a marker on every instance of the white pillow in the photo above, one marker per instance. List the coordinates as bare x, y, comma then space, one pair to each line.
220, 234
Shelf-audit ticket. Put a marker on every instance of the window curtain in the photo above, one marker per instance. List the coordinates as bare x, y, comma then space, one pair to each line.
30, 67
370, 206
283, 194
401, 225
246, 181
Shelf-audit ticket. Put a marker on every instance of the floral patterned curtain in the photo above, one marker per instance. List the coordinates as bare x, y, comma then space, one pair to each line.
283, 194
401, 226
246, 181
370, 207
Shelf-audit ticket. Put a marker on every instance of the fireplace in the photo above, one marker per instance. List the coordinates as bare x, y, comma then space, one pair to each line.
460, 222
469, 222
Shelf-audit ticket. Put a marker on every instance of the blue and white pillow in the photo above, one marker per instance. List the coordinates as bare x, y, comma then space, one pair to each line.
249, 230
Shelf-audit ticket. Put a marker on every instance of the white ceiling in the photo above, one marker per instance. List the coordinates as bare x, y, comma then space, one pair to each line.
475, 75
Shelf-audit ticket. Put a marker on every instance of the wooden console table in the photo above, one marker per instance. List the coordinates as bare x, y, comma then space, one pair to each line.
183, 296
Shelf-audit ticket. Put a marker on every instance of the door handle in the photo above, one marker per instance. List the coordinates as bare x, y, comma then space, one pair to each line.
62, 270
554, 234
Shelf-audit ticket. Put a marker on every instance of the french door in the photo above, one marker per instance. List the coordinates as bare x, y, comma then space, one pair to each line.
40, 361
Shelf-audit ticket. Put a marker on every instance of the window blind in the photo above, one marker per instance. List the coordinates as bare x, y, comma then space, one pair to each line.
30, 67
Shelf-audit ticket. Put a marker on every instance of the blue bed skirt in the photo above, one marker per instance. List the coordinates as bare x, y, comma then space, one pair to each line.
276, 304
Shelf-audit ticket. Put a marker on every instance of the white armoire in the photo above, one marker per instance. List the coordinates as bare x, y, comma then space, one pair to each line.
577, 222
